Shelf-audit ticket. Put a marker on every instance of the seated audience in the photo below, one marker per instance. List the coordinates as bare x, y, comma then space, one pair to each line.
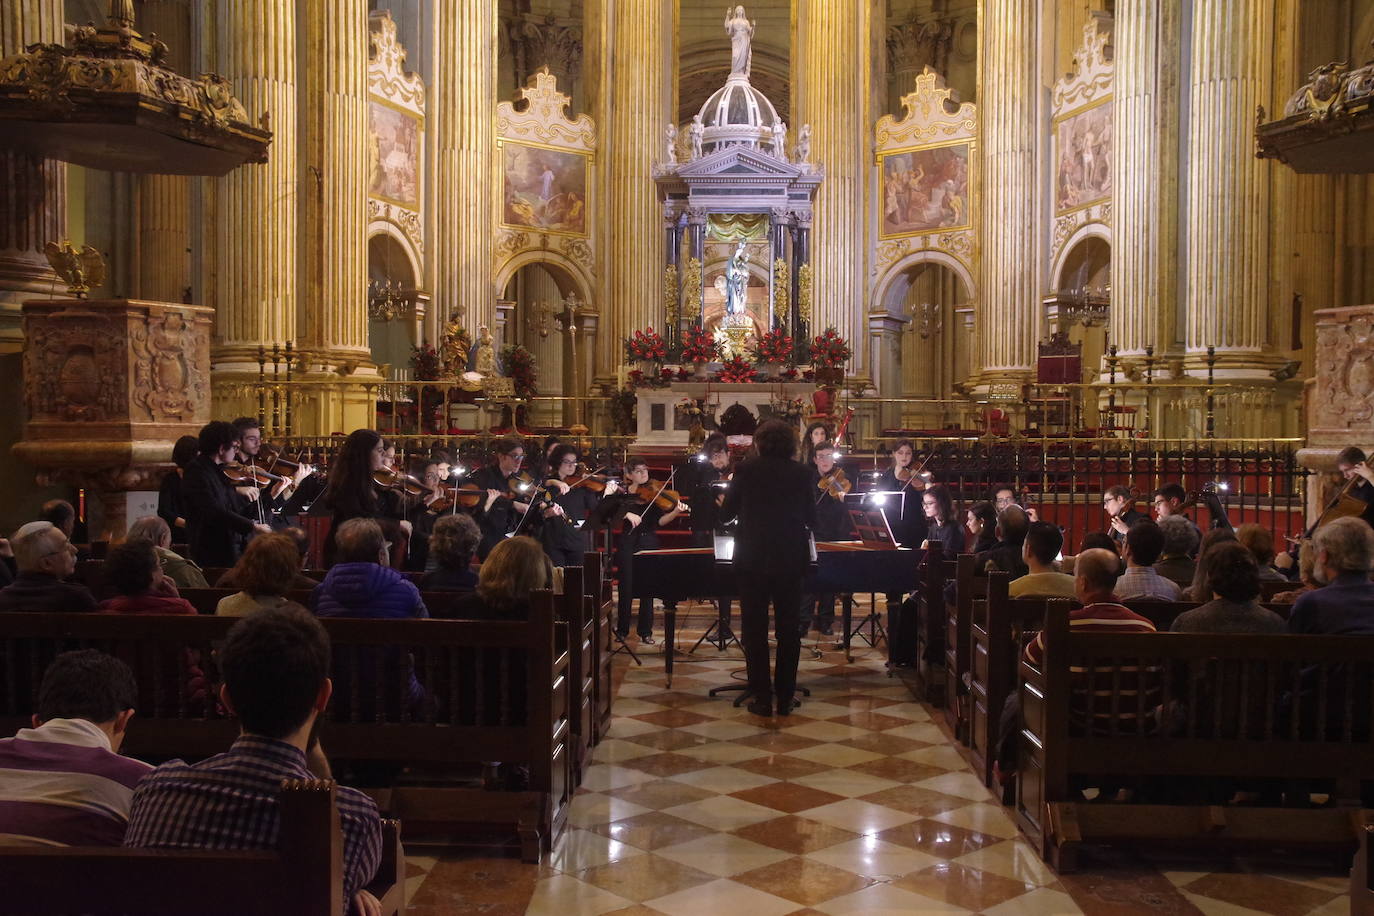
1043, 543
276, 681
1234, 581
299, 580
1198, 590
1344, 556
1260, 542
942, 525
61, 514
131, 571
982, 526
514, 568
1307, 583
451, 545
1012, 525
265, 573
182, 572
65, 781
1176, 562
361, 583
44, 558
1095, 578
1093, 540
1144, 543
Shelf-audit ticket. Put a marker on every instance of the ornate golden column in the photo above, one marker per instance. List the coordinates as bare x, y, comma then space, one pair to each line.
463, 107
831, 76
250, 214
1008, 315
33, 191
1228, 188
636, 93
164, 201
334, 173
1145, 176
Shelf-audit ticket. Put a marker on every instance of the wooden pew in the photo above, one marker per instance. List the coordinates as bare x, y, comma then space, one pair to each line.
957, 636
303, 876
478, 710
930, 637
598, 586
575, 610
1362, 876
1209, 708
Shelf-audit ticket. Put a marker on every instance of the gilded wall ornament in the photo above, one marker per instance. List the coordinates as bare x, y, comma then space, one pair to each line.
804, 292
782, 294
670, 294
691, 289
167, 383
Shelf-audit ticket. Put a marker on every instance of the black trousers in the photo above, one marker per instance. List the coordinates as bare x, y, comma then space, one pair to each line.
644, 625
757, 590
821, 608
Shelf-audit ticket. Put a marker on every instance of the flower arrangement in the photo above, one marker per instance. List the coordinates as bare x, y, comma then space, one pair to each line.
699, 346
424, 363
774, 347
647, 344
829, 350
736, 369
623, 418
519, 364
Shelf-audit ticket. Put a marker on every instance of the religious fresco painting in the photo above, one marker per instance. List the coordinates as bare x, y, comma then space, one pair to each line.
924, 190
1083, 157
544, 189
397, 140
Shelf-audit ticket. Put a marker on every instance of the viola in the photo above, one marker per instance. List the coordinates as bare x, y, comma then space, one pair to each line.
272, 459
392, 479
465, 495
591, 480
656, 493
835, 484
248, 475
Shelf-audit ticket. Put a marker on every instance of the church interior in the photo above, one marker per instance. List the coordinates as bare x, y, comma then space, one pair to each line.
1073, 252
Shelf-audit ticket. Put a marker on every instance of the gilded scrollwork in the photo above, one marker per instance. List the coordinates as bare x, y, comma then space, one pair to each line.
804, 292
691, 289
670, 295
543, 117
782, 293
169, 383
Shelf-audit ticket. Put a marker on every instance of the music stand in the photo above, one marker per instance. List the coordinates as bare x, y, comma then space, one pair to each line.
622, 645
724, 546
870, 521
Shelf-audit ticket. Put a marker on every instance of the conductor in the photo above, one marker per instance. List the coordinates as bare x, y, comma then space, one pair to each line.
771, 496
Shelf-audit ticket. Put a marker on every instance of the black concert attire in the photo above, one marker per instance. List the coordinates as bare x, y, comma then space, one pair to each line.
171, 505
705, 519
216, 525
382, 506
907, 519
986, 541
1129, 517
949, 535
1364, 490
643, 536
564, 540
832, 524
773, 500
502, 517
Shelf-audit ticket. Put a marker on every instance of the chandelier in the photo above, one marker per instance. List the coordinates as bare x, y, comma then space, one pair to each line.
1089, 306
387, 300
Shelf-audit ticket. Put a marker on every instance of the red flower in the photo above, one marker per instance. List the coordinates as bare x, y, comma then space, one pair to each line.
698, 346
774, 347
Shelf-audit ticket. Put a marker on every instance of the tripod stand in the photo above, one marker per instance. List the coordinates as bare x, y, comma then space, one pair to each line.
721, 628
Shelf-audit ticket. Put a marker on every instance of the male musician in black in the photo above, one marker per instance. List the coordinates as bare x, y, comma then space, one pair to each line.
707, 494
1169, 500
1119, 504
501, 512
1352, 463
639, 521
216, 523
275, 495
832, 524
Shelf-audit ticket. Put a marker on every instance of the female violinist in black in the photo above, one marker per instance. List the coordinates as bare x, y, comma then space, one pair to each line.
504, 506
352, 491
573, 494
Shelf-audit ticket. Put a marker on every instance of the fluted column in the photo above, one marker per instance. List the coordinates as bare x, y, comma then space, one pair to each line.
1145, 176
463, 107
334, 175
1008, 313
1228, 189
831, 76
636, 101
33, 191
164, 201
251, 216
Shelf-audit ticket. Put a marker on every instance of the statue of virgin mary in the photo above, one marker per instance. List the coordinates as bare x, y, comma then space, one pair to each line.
741, 31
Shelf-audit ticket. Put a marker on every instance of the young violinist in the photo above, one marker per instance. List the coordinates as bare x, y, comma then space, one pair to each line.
504, 506
352, 490
708, 491
275, 495
1119, 504
638, 531
572, 496
216, 524
832, 524
908, 523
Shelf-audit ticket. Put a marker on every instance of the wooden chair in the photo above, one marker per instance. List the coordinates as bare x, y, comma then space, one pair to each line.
303, 876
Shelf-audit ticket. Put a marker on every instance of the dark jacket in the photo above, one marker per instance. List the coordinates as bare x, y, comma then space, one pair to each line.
170, 505
950, 537
555, 533
1222, 616
832, 518
702, 498
1005, 557
501, 518
772, 499
449, 580
1344, 607
35, 591
215, 524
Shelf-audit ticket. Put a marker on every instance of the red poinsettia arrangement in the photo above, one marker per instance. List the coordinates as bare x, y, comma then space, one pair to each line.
830, 350
774, 347
698, 346
736, 369
520, 366
646, 344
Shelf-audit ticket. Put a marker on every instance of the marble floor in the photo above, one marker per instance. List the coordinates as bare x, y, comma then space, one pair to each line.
856, 803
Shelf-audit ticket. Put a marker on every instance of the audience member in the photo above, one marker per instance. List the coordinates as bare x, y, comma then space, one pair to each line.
276, 681
1307, 581
1094, 582
170, 504
1198, 590
1093, 540
1012, 525
62, 515
132, 573
66, 783
1176, 562
514, 568
1234, 581
1260, 542
265, 573
942, 524
182, 572
451, 546
1144, 543
299, 580
44, 558
1344, 604
1043, 544
981, 522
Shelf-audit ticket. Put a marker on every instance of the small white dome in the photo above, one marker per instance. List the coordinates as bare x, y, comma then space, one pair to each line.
737, 114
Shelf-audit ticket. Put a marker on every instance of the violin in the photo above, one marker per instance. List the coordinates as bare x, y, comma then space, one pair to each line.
917, 477
392, 479
272, 459
248, 475
465, 495
591, 480
656, 493
835, 484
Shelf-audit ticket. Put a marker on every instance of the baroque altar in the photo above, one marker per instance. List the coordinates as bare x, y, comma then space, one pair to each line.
660, 423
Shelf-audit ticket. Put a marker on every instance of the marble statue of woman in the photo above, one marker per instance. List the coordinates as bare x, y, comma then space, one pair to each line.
484, 354
696, 132
780, 140
803, 151
740, 30
736, 280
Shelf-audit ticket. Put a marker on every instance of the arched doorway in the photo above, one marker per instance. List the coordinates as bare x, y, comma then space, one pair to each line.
1081, 303
393, 304
536, 294
933, 352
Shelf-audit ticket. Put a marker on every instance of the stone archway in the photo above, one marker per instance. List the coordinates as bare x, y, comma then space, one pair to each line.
392, 272
533, 290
